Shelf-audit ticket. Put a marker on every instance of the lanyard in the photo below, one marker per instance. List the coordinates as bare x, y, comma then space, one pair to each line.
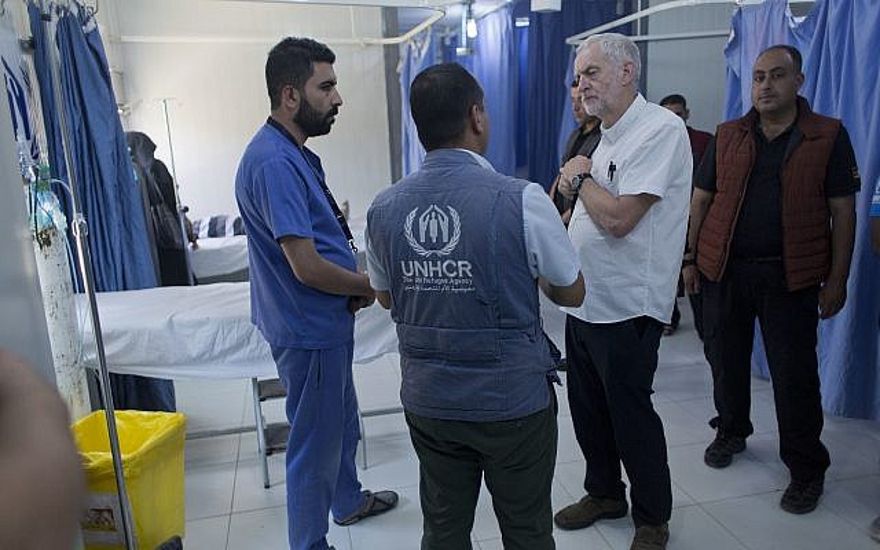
340, 218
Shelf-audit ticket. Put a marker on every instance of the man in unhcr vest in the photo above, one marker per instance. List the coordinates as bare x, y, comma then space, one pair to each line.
628, 228
771, 236
457, 252
304, 291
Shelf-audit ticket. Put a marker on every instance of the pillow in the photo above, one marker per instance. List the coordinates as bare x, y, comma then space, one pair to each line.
218, 226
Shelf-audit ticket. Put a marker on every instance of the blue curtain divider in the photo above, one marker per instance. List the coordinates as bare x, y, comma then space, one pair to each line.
839, 41
415, 56
493, 63
521, 35
568, 123
42, 67
111, 198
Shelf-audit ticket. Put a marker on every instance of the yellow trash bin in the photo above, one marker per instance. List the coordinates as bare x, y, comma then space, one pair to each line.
152, 454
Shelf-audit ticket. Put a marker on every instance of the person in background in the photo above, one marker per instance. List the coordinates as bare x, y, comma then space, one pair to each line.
43, 495
164, 209
582, 141
305, 290
699, 142
771, 237
628, 228
457, 252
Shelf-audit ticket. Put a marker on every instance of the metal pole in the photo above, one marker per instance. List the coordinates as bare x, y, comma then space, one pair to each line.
186, 250
80, 232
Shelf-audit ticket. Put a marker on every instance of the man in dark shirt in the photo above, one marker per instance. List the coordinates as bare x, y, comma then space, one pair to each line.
582, 141
699, 142
771, 232
698, 138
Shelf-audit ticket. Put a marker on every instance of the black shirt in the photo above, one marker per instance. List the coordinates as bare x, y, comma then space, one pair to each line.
579, 143
758, 231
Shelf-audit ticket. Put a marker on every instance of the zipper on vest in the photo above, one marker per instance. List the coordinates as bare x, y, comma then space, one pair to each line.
782, 217
795, 141
742, 198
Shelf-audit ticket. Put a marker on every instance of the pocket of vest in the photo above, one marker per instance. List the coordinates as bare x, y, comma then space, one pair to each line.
462, 345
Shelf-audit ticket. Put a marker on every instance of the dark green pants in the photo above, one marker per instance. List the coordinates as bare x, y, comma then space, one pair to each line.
517, 458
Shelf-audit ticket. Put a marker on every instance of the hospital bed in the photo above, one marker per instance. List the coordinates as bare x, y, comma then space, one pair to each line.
225, 258
205, 332
220, 259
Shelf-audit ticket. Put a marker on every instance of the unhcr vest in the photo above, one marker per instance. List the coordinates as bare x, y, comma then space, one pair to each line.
451, 239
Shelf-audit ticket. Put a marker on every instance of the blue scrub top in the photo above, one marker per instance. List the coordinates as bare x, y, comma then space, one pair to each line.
279, 194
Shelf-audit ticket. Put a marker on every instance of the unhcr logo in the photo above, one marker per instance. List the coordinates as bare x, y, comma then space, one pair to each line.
437, 233
434, 235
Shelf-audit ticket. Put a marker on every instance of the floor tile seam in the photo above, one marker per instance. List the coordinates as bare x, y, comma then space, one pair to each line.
723, 526
235, 473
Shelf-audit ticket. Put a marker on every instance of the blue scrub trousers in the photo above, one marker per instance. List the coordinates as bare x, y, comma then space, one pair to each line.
323, 414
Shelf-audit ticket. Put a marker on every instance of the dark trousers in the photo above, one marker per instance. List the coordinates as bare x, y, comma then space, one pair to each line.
517, 458
610, 381
788, 321
696, 301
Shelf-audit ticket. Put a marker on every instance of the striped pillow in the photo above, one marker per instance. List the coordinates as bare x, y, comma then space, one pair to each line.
218, 226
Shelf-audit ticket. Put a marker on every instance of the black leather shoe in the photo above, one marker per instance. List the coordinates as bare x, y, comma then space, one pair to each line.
719, 453
650, 537
588, 511
802, 497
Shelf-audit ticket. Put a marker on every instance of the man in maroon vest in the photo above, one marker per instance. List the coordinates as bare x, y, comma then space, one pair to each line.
771, 235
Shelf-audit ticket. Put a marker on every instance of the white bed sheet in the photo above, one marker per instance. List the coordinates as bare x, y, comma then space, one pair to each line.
204, 332
220, 256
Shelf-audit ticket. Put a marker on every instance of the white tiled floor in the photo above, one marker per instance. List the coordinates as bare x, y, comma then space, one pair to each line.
736, 508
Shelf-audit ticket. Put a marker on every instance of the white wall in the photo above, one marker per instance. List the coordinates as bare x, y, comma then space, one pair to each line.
694, 68
219, 92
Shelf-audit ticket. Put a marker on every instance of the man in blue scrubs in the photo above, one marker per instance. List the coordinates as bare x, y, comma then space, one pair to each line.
304, 291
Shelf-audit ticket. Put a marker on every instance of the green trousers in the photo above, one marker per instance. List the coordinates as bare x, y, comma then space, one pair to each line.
517, 458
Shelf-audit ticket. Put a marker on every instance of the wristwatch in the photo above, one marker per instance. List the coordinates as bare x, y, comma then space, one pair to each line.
577, 181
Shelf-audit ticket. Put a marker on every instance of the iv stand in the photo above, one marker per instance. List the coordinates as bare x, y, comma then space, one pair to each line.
80, 232
186, 248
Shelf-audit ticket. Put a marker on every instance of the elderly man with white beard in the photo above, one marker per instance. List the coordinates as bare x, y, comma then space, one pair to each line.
628, 228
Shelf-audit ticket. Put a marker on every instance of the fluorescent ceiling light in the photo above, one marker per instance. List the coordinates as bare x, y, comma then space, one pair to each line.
471, 28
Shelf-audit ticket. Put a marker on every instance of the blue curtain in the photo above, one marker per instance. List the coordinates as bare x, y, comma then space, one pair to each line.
839, 41
42, 67
415, 56
548, 90
521, 35
111, 199
493, 63
568, 123
754, 29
